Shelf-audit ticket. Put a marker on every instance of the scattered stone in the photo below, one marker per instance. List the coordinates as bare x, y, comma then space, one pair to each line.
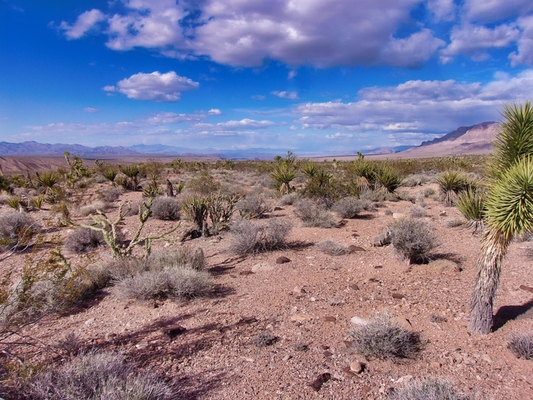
320, 380
301, 347
355, 235
278, 209
247, 321
396, 295
89, 321
246, 273
173, 331
302, 317
262, 267
353, 248
359, 321
282, 260
378, 266
357, 367
327, 353
298, 291
354, 286
526, 288
443, 213
383, 239
287, 357
329, 318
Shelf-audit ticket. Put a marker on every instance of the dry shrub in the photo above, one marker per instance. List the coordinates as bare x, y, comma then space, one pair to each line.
413, 239
185, 257
333, 248
522, 345
348, 207
418, 211
112, 194
264, 339
384, 338
288, 199
166, 208
83, 240
254, 238
252, 207
427, 389
16, 230
96, 376
93, 208
313, 215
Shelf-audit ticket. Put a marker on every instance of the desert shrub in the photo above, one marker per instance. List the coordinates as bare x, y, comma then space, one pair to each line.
522, 345
288, 199
112, 194
388, 178
451, 183
471, 203
283, 173
384, 338
377, 196
93, 208
131, 180
96, 376
47, 179
428, 192
313, 215
220, 209
418, 211
252, 207
264, 339
13, 202
416, 180
166, 208
427, 389
165, 283
16, 230
195, 210
332, 248
348, 207
248, 237
82, 240
413, 239
180, 257
203, 184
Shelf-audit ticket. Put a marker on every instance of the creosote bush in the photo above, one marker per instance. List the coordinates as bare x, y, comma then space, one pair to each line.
427, 389
314, 215
413, 239
522, 345
383, 338
348, 207
332, 248
96, 376
248, 237
166, 208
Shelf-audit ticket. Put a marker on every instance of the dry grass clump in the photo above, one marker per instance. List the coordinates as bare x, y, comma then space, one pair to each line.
314, 215
16, 230
413, 239
333, 248
427, 389
252, 207
166, 209
176, 274
288, 199
418, 211
384, 338
96, 376
83, 240
249, 238
522, 345
348, 207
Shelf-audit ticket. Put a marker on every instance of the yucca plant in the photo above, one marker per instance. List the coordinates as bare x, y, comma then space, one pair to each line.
195, 209
110, 174
282, 175
388, 178
47, 179
509, 207
450, 184
471, 204
131, 171
13, 202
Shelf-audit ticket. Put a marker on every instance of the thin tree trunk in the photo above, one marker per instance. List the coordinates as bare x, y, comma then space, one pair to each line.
493, 249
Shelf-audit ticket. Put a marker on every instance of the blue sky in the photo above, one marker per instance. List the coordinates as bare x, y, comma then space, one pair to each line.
313, 76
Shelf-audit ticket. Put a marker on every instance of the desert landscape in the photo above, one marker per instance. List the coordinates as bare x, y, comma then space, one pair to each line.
283, 276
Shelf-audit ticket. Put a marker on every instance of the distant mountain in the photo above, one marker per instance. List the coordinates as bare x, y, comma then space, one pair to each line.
35, 148
386, 150
475, 139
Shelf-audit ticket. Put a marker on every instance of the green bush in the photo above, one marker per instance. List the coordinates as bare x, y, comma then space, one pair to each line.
383, 338
96, 376
413, 239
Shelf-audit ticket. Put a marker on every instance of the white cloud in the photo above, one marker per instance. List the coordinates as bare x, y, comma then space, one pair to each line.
292, 74
90, 109
214, 111
524, 55
442, 9
339, 135
496, 10
174, 118
233, 125
154, 86
474, 40
285, 95
83, 24
258, 97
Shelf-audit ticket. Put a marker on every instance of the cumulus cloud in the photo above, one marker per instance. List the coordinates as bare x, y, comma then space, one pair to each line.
285, 95
524, 55
297, 32
486, 11
442, 9
474, 40
214, 111
85, 22
154, 86
418, 106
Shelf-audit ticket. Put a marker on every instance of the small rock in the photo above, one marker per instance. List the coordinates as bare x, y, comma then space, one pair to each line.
329, 318
403, 322
354, 248
442, 213
526, 288
378, 266
262, 267
246, 273
173, 331
404, 379
357, 367
282, 260
359, 321
302, 317
320, 380
287, 357
327, 353
298, 291
354, 286
278, 209
398, 296
89, 321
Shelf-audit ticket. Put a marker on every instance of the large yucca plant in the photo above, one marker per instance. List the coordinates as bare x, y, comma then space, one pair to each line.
282, 175
509, 207
388, 178
451, 183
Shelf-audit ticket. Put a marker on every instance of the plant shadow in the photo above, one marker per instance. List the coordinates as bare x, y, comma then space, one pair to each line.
508, 313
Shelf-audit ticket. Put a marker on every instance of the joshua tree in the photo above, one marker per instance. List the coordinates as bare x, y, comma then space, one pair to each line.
509, 207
